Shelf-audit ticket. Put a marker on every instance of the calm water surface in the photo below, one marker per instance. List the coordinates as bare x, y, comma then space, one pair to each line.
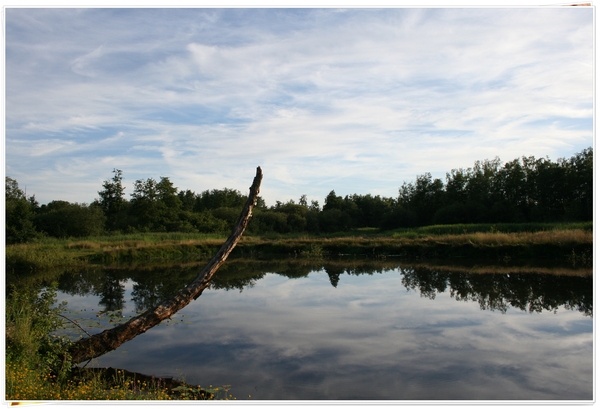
339, 333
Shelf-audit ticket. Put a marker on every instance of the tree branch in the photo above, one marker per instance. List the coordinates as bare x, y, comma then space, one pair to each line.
110, 339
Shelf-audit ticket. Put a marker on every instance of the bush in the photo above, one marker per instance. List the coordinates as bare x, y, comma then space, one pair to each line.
269, 222
399, 217
461, 213
333, 220
30, 321
63, 219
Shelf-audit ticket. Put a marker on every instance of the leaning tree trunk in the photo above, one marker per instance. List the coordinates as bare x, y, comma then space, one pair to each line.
110, 339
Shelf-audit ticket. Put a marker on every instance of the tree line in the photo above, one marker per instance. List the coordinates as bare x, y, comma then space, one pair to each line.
522, 190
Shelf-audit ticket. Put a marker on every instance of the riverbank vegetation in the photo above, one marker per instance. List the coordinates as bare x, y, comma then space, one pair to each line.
525, 190
37, 365
559, 242
38, 369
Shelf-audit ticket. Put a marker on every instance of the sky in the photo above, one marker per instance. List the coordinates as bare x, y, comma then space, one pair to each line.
356, 100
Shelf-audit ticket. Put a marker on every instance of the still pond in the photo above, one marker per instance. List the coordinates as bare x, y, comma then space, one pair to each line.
340, 331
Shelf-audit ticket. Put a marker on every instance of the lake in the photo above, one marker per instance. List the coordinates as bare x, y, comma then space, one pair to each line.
353, 331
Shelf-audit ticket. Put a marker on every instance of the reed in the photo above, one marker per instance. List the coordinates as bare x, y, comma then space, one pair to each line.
456, 229
182, 247
37, 256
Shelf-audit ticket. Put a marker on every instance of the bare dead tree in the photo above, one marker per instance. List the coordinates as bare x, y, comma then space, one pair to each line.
110, 339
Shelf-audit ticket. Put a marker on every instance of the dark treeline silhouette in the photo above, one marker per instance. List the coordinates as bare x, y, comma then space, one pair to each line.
522, 190
498, 292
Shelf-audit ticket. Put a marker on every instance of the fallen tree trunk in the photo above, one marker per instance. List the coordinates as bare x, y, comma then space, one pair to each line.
110, 339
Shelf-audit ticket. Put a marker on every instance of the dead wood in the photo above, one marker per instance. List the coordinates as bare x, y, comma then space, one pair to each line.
110, 339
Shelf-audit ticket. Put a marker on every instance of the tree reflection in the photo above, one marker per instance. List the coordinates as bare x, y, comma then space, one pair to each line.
151, 285
82, 282
112, 293
334, 273
533, 292
497, 292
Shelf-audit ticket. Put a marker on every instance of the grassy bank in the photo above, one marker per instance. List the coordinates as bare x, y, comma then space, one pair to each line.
51, 253
27, 383
495, 242
37, 366
561, 246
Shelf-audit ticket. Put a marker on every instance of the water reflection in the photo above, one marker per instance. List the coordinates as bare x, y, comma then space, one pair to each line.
533, 292
112, 293
497, 292
352, 330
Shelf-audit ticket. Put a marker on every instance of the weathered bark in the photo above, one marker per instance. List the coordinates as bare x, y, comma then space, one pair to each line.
110, 339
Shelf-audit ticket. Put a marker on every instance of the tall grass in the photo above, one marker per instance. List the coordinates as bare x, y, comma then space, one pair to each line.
156, 237
161, 247
48, 253
34, 256
456, 229
38, 367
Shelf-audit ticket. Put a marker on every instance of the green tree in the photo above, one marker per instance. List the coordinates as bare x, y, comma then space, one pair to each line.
112, 201
213, 199
367, 210
60, 218
145, 212
580, 179
333, 220
269, 221
481, 188
332, 201
295, 216
551, 190
456, 186
398, 216
428, 197
20, 213
188, 200
155, 206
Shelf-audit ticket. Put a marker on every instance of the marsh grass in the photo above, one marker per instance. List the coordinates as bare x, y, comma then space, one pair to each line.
34, 256
183, 247
523, 238
456, 229
48, 253
309, 245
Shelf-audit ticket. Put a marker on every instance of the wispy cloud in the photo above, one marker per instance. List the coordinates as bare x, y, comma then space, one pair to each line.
358, 100
413, 345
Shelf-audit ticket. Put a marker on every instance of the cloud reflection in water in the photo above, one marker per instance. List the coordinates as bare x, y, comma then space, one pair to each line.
369, 338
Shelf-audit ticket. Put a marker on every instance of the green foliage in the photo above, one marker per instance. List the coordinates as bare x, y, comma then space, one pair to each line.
19, 225
398, 217
524, 190
332, 220
40, 255
265, 222
216, 198
24, 383
313, 250
30, 320
229, 215
63, 219
112, 200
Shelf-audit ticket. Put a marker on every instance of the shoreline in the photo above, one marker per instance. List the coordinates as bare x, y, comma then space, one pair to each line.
564, 247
